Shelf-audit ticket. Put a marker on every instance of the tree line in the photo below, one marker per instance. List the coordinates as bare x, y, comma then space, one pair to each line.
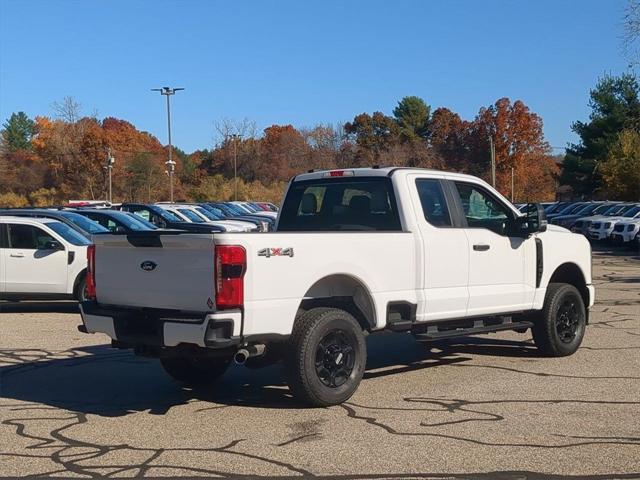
50, 160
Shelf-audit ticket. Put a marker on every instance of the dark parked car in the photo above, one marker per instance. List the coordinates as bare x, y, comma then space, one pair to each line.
79, 223
162, 218
115, 221
234, 212
263, 225
594, 208
568, 210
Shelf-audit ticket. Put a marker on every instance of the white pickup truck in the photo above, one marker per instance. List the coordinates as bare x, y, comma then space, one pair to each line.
355, 251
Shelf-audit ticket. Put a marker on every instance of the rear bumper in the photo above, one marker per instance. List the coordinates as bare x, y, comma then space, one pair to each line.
162, 328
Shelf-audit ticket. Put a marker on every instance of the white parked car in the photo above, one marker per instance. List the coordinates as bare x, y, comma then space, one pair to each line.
435, 254
627, 232
601, 229
581, 225
41, 258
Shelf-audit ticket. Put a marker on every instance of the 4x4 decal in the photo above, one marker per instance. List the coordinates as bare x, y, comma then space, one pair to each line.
275, 252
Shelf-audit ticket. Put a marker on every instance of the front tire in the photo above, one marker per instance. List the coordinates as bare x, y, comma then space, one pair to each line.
558, 332
195, 371
326, 357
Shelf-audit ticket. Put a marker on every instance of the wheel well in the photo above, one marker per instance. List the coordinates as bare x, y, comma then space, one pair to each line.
344, 292
79, 277
572, 274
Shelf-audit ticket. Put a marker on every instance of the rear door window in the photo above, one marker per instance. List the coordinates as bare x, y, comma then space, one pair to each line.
340, 204
434, 206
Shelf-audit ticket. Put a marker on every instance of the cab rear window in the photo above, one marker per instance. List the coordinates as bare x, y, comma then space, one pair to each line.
340, 204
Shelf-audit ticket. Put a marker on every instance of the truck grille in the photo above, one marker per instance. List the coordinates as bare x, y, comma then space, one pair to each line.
630, 228
618, 228
595, 225
607, 225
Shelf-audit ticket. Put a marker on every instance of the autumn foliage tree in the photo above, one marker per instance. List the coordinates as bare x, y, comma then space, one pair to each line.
519, 145
51, 160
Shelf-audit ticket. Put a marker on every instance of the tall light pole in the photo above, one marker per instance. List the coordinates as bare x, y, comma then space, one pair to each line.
109, 167
168, 91
235, 137
492, 151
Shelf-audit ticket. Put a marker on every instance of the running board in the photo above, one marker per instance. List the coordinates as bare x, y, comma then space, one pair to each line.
433, 333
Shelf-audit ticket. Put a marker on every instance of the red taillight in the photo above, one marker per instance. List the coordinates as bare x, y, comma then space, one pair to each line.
91, 272
230, 266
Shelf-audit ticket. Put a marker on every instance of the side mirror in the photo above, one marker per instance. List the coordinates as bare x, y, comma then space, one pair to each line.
52, 245
536, 219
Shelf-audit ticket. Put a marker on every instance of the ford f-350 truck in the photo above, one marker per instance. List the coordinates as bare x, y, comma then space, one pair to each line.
432, 253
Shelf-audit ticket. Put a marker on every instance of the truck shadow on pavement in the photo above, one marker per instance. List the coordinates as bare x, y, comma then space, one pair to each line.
108, 382
38, 307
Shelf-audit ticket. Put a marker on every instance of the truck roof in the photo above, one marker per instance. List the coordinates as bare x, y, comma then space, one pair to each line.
379, 172
28, 220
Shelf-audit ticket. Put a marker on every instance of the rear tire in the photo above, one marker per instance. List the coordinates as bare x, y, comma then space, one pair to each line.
195, 371
326, 357
559, 330
81, 289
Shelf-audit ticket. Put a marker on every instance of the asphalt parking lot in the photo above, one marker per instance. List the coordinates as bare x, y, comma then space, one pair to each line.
487, 407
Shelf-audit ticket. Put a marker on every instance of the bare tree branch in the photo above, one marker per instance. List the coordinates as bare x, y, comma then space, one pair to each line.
226, 127
68, 109
631, 33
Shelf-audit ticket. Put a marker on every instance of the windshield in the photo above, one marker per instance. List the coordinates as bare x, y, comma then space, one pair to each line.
243, 208
130, 222
168, 216
217, 211
84, 223
558, 207
617, 210
587, 209
601, 209
191, 215
632, 212
572, 209
69, 234
206, 213
235, 209
143, 221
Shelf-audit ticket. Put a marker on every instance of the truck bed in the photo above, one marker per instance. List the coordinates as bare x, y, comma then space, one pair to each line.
274, 284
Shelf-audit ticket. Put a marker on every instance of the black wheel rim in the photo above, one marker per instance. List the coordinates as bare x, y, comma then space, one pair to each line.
335, 358
567, 321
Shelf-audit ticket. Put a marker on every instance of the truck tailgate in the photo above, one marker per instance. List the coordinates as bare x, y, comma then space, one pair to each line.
156, 270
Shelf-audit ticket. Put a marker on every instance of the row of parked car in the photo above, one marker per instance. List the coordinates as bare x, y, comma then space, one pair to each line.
43, 251
616, 222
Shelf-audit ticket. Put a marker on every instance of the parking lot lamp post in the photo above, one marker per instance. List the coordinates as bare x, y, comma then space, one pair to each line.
168, 91
110, 162
235, 137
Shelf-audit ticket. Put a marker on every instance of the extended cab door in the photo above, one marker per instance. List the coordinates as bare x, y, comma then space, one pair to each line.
497, 256
30, 265
444, 249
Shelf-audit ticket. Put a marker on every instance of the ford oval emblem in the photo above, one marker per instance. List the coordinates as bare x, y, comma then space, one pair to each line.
148, 265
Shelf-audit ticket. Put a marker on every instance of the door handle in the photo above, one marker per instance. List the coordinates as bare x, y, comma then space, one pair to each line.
17, 255
481, 247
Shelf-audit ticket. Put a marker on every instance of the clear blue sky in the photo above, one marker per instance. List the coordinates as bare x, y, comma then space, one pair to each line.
304, 62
